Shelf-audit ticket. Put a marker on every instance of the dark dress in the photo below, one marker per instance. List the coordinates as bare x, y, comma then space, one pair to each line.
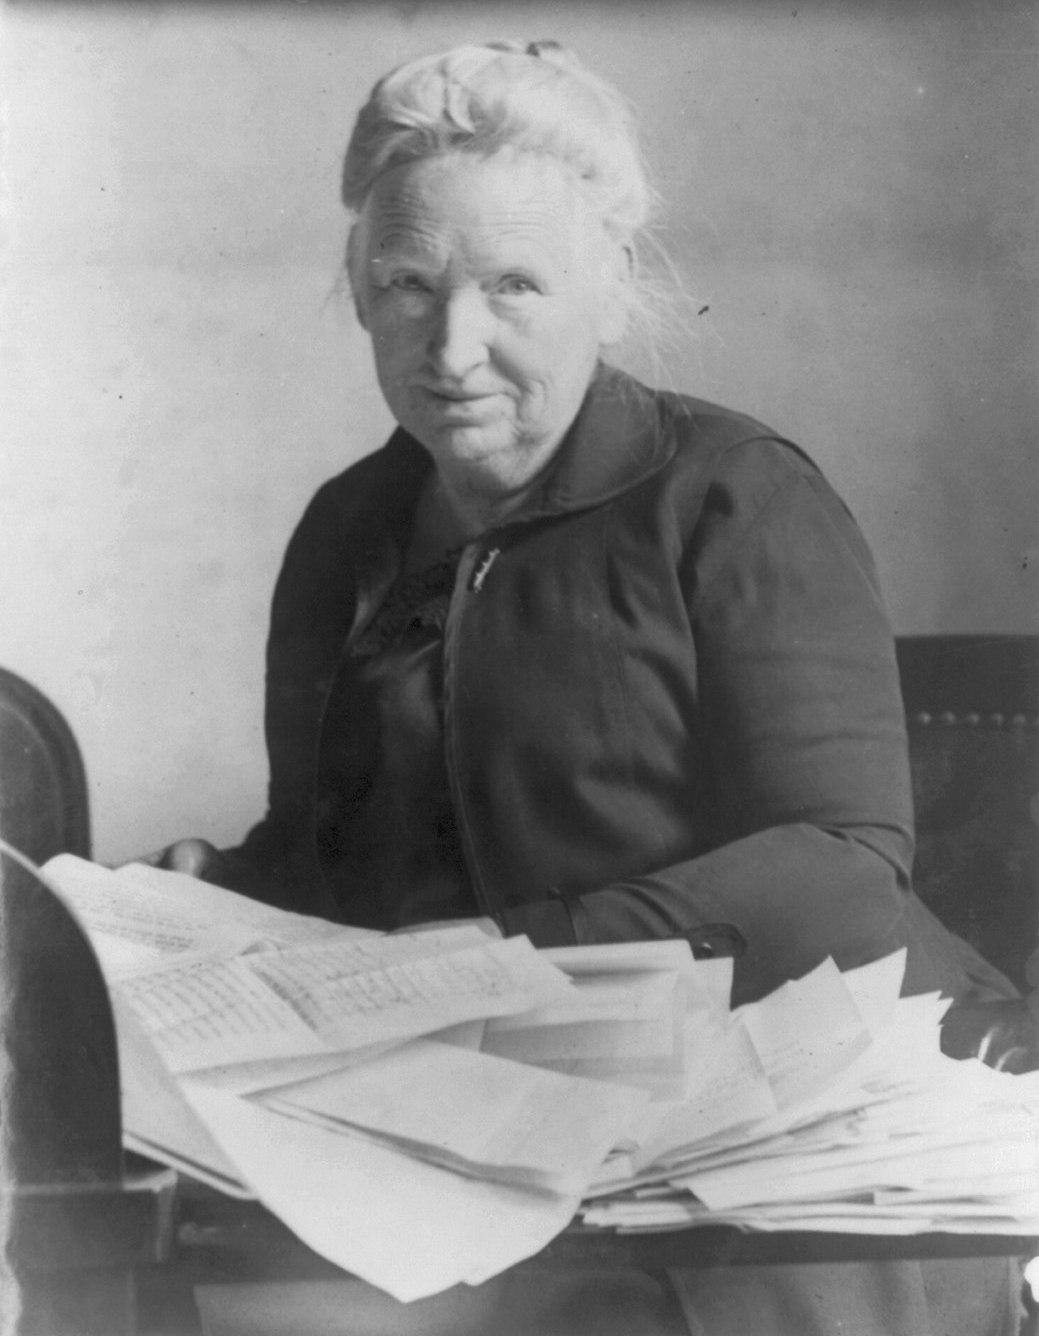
386, 829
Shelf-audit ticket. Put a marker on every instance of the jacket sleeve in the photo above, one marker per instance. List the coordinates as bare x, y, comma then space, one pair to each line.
804, 742
311, 607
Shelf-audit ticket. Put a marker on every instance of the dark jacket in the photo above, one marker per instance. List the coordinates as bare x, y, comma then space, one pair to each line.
671, 705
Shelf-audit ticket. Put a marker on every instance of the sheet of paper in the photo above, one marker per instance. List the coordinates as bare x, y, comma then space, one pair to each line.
806, 1032
714, 977
210, 1012
875, 988
627, 1021
867, 1218
622, 957
137, 915
158, 1121
245, 1078
338, 957
730, 1089
645, 996
410, 1228
613, 1017
478, 1113
318, 999
131, 921
410, 996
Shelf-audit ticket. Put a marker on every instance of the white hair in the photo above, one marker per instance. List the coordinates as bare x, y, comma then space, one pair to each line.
537, 99
479, 99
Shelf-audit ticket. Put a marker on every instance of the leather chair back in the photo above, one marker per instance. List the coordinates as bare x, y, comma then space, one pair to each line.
972, 707
44, 809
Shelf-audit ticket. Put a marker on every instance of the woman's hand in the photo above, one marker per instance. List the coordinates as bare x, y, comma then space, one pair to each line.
195, 858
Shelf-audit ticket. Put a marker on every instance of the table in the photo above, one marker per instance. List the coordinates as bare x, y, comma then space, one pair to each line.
222, 1240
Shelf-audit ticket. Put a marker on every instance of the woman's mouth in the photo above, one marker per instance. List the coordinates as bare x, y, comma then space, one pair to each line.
460, 403
458, 396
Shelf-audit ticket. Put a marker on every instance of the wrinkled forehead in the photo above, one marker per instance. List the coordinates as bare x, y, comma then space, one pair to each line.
464, 203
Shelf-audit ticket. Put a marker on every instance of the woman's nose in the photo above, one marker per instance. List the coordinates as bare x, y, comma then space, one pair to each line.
461, 335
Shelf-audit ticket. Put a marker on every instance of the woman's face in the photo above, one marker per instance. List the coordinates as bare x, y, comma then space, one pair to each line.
488, 287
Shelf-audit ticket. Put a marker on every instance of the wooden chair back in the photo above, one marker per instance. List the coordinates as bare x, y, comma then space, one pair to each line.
972, 708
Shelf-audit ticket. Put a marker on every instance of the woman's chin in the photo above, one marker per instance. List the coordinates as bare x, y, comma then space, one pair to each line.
493, 454
461, 443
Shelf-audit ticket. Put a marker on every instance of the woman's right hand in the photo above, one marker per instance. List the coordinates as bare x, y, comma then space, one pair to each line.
195, 858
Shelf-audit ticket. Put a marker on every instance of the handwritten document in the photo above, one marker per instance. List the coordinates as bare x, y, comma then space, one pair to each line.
319, 999
138, 916
809, 1031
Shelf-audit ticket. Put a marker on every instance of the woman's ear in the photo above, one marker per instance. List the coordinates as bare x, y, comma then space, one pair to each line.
618, 291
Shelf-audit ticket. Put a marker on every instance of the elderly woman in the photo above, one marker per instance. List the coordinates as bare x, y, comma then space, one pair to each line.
576, 658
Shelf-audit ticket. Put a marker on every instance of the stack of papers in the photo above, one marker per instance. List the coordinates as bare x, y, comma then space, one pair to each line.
858, 1123
337, 1075
428, 1109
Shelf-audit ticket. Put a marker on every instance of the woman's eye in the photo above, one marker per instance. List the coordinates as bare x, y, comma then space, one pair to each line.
410, 283
515, 285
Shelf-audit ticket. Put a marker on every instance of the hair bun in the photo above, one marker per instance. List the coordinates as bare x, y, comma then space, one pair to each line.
534, 98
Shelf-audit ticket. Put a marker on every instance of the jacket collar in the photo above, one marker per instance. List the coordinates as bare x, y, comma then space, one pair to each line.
618, 439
